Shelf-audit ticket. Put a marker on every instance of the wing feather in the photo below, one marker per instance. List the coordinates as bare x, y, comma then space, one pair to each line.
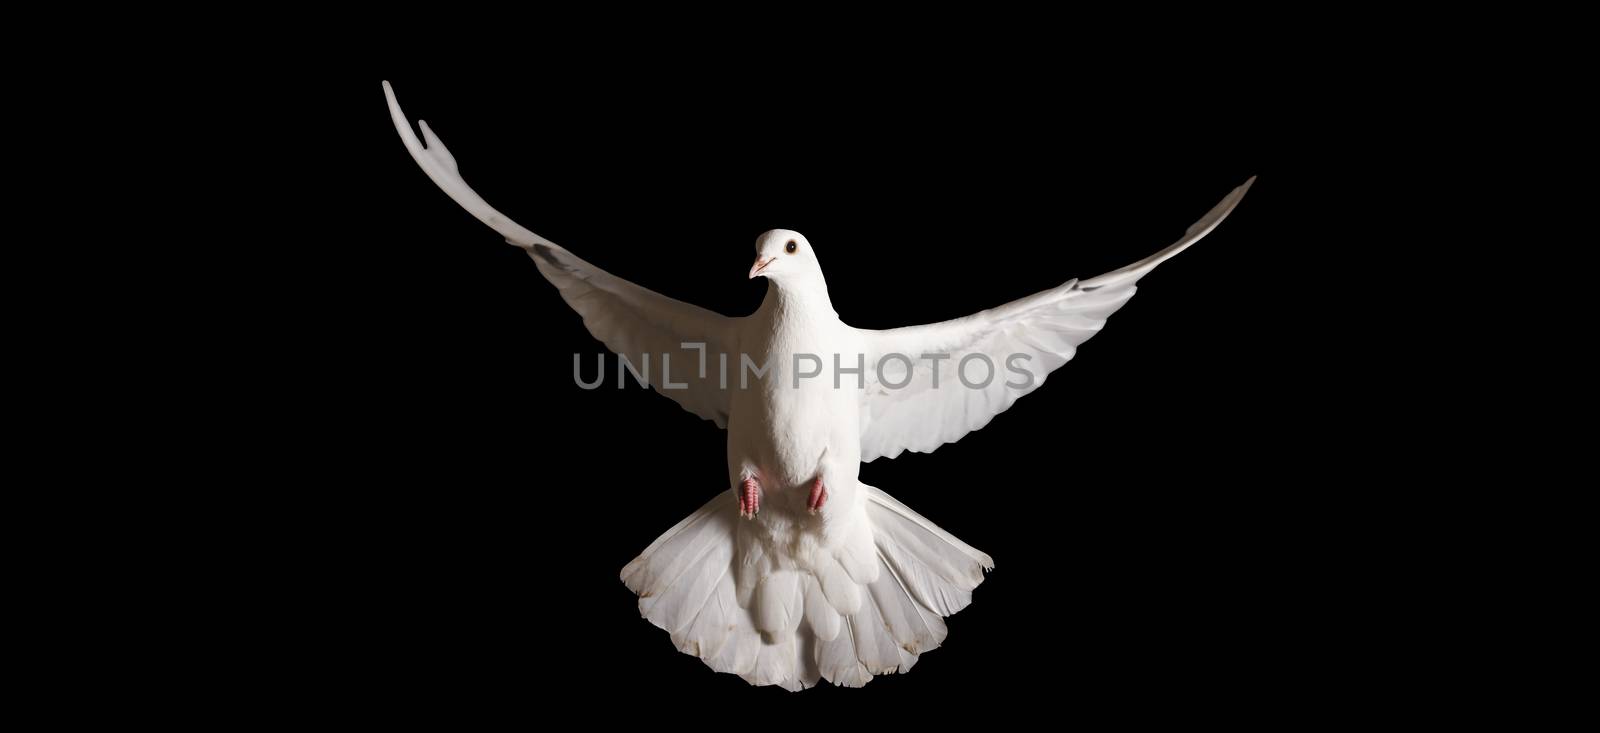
1022, 343
636, 323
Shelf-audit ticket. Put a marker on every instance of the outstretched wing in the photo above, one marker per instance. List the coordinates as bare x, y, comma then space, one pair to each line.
919, 404
641, 325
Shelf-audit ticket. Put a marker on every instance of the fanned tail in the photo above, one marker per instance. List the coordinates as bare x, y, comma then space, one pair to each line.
850, 617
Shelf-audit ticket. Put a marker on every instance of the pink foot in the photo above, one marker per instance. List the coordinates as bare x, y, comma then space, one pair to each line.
819, 494
749, 498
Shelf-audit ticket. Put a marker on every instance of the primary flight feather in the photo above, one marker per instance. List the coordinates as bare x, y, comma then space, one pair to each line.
798, 571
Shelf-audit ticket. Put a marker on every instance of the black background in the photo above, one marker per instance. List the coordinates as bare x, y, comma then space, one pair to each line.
1168, 515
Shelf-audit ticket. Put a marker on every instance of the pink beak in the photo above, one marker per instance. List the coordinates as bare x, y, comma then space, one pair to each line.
760, 265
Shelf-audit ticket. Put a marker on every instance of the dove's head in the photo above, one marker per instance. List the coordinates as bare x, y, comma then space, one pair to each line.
786, 258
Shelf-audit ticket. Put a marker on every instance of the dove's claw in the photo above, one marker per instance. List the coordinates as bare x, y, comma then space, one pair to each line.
819, 494
749, 498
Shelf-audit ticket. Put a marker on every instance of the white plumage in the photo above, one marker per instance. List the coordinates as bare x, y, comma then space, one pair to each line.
861, 586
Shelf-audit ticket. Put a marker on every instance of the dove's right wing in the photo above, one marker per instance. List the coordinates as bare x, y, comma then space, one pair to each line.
646, 327
918, 403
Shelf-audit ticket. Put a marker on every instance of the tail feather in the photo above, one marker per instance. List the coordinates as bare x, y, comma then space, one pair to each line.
838, 660
939, 570
778, 602
750, 565
917, 627
693, 589
738, 653
842, 591
779, 664
876, 646
654, 569
709, 631
823, 619
724, 601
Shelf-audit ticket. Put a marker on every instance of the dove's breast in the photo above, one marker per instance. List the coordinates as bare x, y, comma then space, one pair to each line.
787, 421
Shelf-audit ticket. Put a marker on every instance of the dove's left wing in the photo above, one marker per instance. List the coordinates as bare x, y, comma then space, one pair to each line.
646, 327
938, 382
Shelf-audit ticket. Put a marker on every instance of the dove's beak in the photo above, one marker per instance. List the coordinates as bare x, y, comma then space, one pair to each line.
755, 270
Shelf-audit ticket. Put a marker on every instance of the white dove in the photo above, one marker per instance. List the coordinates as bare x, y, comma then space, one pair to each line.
799, 571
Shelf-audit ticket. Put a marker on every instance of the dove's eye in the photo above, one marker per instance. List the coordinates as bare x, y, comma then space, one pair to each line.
790, 247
